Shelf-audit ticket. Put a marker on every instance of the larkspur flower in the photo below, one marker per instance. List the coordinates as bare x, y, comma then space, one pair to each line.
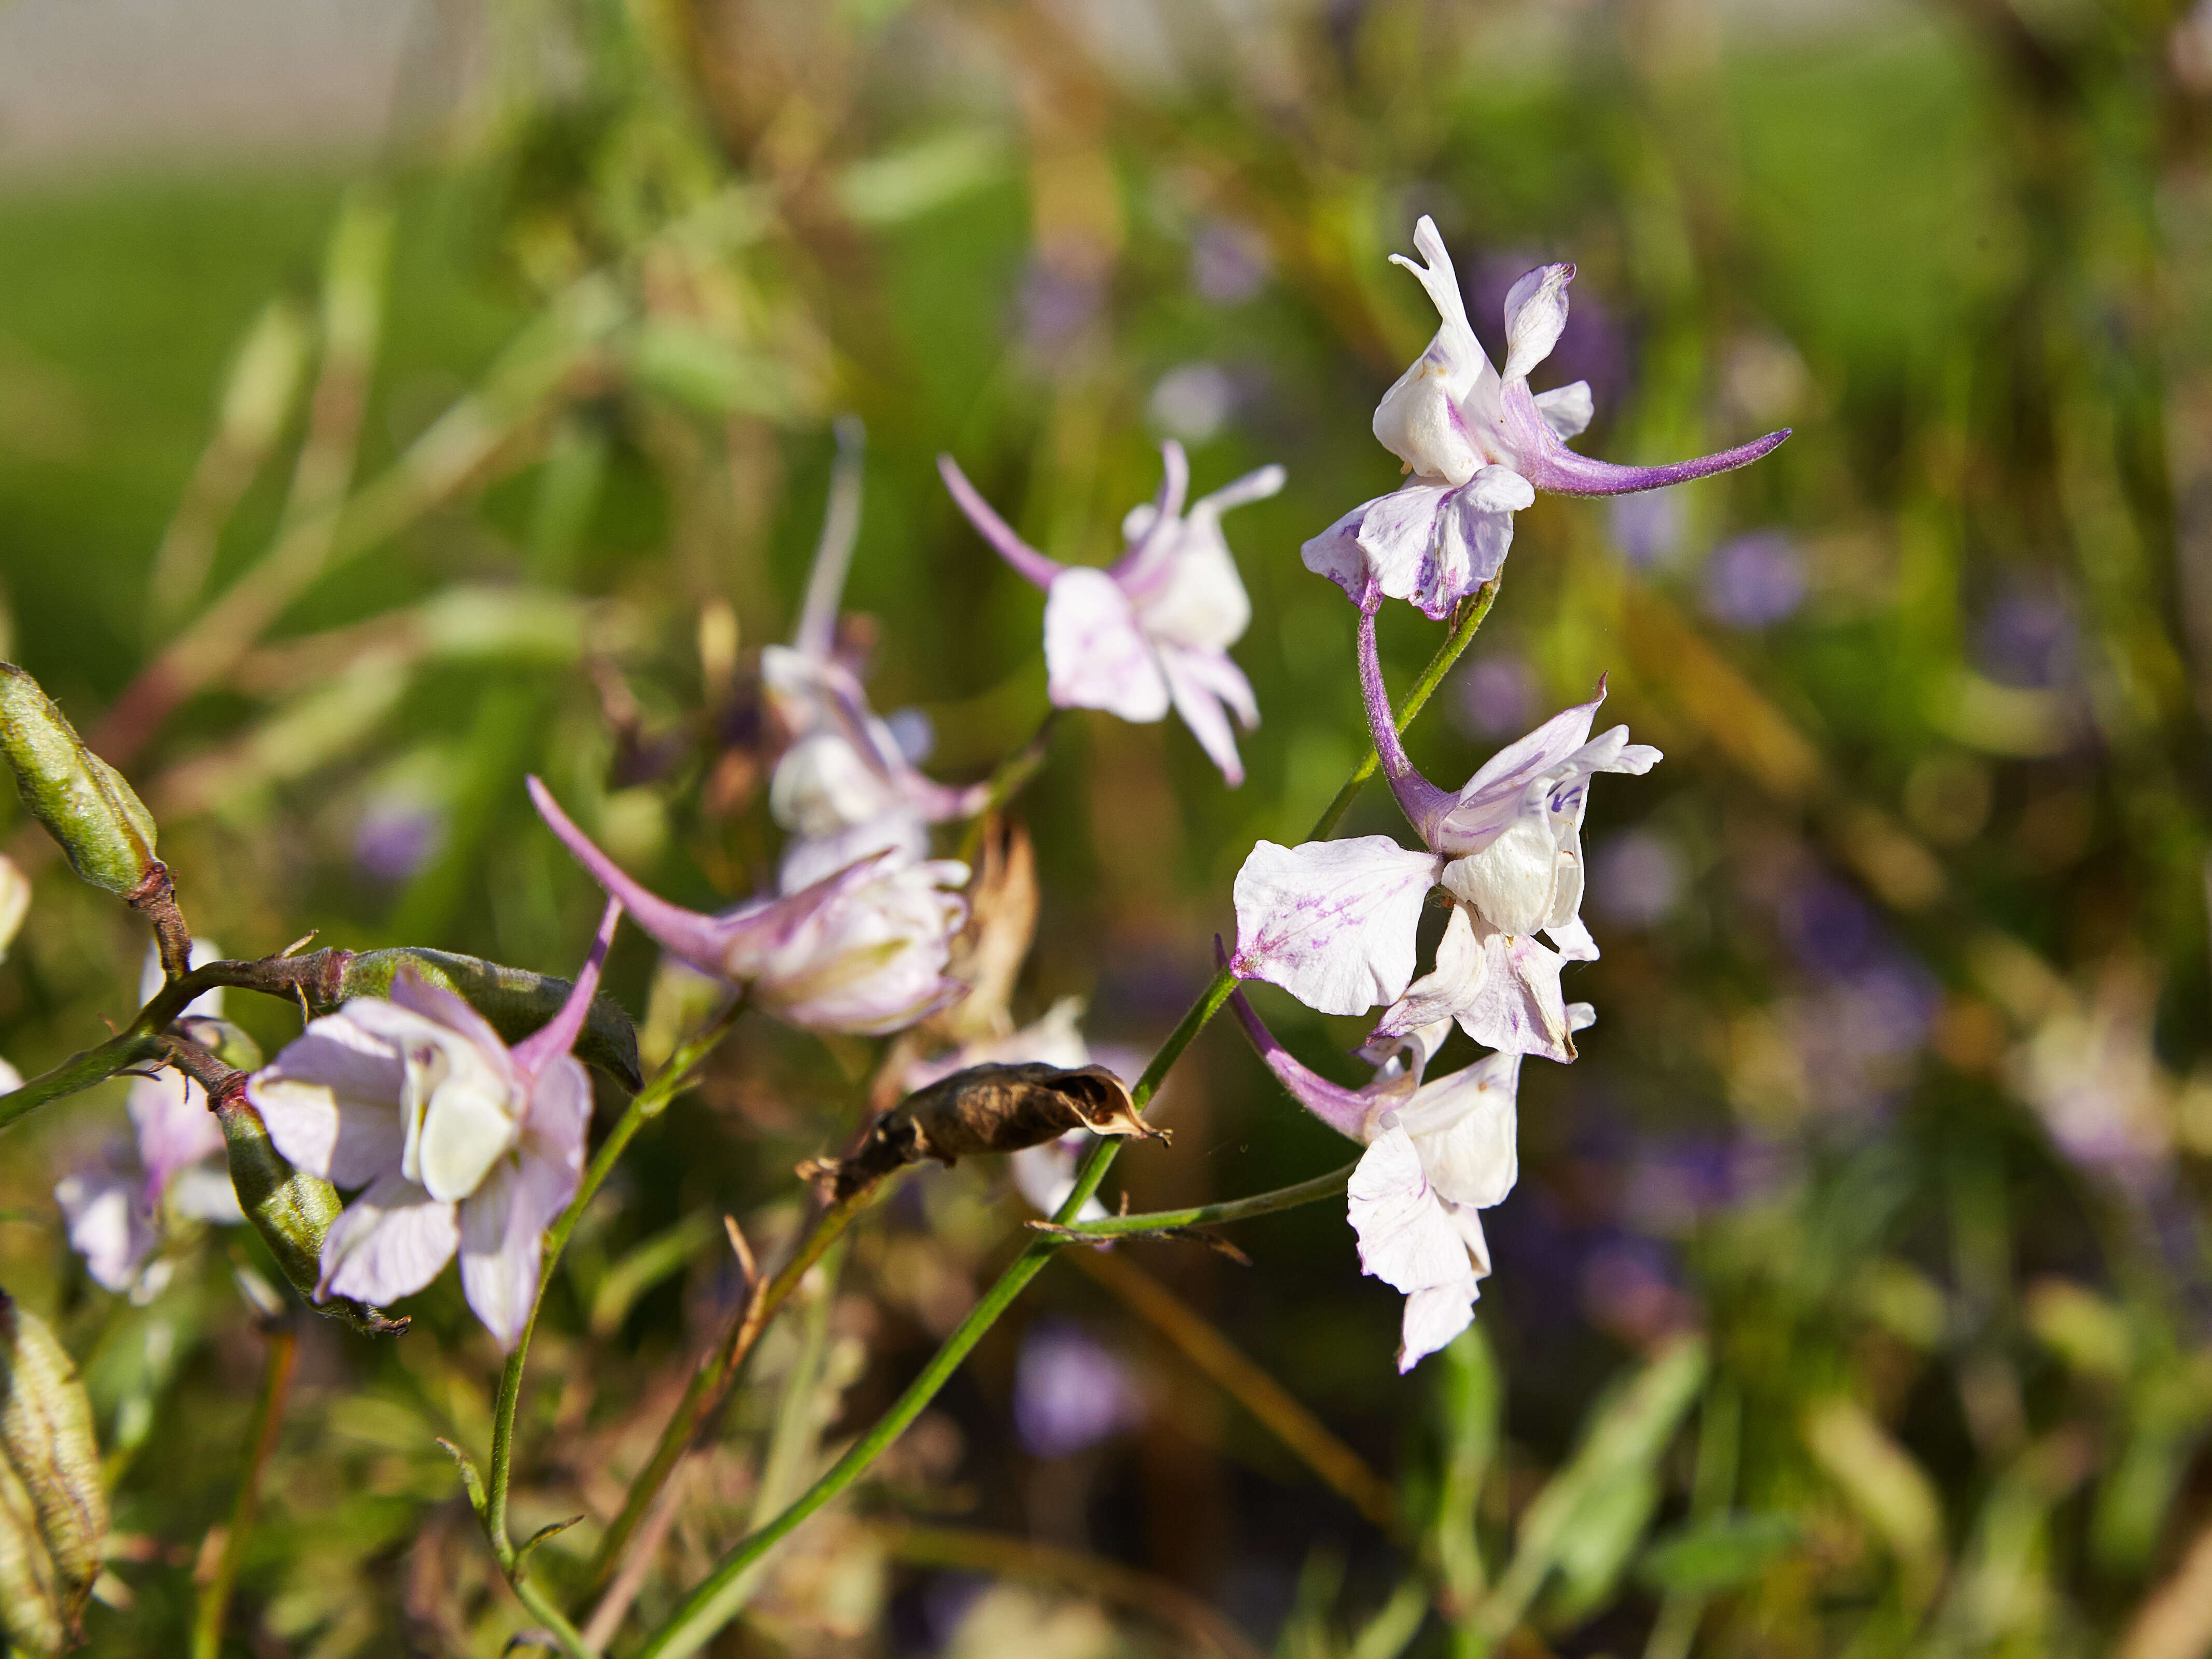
115, 1206
1478, 445
1152, 630
1438, 1151
1333, 922
862, 950
846, 787
459, 1143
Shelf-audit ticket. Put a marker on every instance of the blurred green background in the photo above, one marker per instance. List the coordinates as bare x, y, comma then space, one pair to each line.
352, 467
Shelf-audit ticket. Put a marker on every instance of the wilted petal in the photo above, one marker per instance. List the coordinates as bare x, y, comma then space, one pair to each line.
1419, 418
1096, 656
331, 1098
1332, 922
1535, 317
1433, 1317
1200, 681
108, 1224
1406, 1239
1567, 409
389, 1242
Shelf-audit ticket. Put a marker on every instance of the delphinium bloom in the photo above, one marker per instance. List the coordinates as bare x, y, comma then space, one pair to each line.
1478, 445
1437, 1152
458, 1143
1333, 922
115, 1206
846, 787
863, 950
1153, 630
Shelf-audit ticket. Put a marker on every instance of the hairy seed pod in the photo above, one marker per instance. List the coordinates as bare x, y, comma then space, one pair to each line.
47, 1444
292, 1210
985, 1109
513, 1001
31, 1615
83, 801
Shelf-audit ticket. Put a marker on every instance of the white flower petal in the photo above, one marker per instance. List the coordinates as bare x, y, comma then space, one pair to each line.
809, 858
1332, 922
1201, 681
503, 1240
107, 1225
1419, 419
1573, 941
1518, 1007
1433, 1317
1202, 603
331, 1099
389, 1242
1535, 317
1567, 409
1466, 1130
1452, 985
470, 1120
822, 784
1096, 656
1406, 1239
1513, 883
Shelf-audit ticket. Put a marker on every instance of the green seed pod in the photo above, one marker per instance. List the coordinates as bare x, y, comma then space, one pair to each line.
291, 1210
513, 1001
83, 801
47, 1444
30, 1600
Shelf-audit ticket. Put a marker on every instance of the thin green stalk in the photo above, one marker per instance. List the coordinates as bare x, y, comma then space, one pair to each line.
1011, 778
214, 1610
1206, 1215
648, 1104
712, 1379
693, 1622
556, 1622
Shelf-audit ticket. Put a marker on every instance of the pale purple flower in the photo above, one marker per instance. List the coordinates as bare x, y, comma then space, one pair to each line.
1332, 922
1647, 528
398, 833
1154, 629
847, 787
1478, 445
1070, 1391
115, 1206
1437, 1152
1635, 879
1755, 580
1229, 261
863, 950
459, 1143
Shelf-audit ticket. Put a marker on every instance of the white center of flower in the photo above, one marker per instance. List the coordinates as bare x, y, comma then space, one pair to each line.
458, 1114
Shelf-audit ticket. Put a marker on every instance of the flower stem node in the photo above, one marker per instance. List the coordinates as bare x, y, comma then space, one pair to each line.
85, 805
53, 1508
984, 1109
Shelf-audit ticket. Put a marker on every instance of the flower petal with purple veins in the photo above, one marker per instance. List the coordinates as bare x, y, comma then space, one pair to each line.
1406, 1239
1332, 922
1518, 1007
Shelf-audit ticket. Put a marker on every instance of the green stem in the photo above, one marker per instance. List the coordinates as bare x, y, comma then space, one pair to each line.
693, 1622
648, 1104
1010, 779
1204, 1215
555, 1622
712, 1378
214, 1611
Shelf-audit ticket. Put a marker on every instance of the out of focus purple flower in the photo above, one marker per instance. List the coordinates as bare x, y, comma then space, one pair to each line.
1648, 528
1885, 1010
1192, 401
1229, 261
1057, 304
1672, 1186
1070, 1392
1497, 694
399, 834
2027, 638
1635, 879
1755, 580
1828, 927
1628, 1289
